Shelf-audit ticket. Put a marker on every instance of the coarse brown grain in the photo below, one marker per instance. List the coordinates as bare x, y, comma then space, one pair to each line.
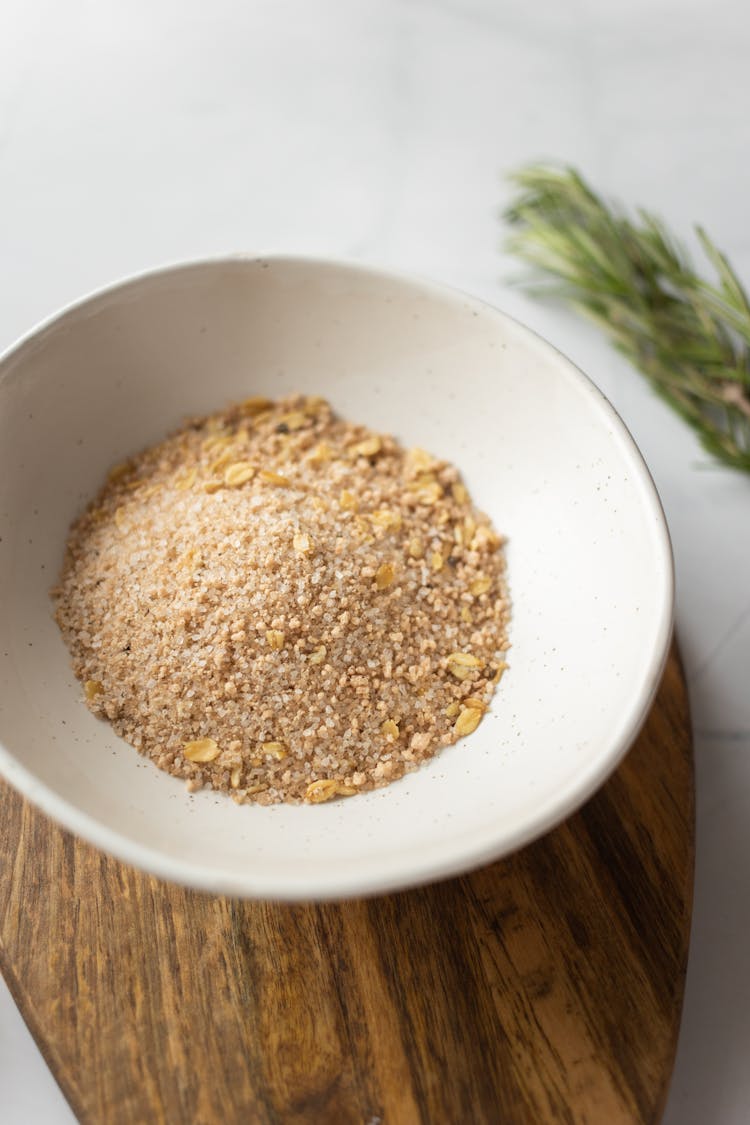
284, 606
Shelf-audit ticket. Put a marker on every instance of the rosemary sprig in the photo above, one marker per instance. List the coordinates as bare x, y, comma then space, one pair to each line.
689, 336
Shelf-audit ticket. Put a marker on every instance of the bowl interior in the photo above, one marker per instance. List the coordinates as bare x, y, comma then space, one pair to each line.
542, 452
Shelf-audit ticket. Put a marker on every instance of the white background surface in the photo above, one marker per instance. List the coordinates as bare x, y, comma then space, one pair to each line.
134, 134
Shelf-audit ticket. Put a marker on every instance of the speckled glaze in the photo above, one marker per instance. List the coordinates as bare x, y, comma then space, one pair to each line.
590, 565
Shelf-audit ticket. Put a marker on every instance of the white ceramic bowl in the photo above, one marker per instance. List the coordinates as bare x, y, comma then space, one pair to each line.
543, 452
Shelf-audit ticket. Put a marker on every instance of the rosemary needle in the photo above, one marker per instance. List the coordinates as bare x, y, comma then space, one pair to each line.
690, 337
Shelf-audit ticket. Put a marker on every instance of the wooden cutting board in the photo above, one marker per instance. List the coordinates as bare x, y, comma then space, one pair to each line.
544, 988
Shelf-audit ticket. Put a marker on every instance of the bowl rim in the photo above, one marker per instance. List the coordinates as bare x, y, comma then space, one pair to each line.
567, 800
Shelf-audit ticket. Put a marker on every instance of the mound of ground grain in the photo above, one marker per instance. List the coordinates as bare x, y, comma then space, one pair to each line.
283, 605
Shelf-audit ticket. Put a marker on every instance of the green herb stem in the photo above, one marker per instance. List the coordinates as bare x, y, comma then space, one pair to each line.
690, 337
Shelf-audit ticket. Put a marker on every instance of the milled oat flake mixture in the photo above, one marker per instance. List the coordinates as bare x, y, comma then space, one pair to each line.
283, 605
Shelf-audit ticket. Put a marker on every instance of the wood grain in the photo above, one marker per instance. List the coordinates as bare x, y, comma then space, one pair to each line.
544, 988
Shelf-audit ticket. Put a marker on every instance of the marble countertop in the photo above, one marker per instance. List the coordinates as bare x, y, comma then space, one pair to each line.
136, 134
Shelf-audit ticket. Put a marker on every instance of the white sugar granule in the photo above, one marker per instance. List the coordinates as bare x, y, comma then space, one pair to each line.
283, 605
